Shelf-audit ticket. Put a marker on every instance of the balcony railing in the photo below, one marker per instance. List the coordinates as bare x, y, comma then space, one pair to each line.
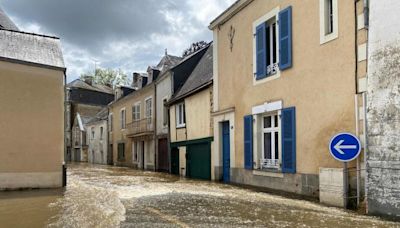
269, 163
140, 126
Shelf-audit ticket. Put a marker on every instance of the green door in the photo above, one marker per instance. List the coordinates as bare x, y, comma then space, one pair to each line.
198, 161
175, 161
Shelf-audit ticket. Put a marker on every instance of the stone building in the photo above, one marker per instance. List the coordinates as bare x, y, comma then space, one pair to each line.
86, 98
32, 73
383, 105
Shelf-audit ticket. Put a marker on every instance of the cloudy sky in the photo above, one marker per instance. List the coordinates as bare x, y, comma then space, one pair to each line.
126, 34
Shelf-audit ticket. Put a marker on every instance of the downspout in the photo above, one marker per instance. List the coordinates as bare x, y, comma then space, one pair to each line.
366, 23
64, 168
356, 99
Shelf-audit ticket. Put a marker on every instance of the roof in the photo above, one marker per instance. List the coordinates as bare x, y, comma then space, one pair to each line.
231, 11
6, 22
82, 121
101, 115
30, 48
201, 76
167, 62
78, 83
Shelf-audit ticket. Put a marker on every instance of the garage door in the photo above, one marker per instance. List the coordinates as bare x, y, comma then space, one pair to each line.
198, 161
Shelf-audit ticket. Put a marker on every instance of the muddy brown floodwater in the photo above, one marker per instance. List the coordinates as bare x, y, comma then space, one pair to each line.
104, 196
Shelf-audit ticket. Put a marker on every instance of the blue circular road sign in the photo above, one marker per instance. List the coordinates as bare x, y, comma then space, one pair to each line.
345, 147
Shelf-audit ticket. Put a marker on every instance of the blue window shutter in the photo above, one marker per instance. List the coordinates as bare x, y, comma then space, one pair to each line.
285, 38
260, 52
248, 142
289, 140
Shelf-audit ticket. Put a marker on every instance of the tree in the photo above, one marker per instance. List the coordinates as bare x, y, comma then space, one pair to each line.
193, 48
108, 77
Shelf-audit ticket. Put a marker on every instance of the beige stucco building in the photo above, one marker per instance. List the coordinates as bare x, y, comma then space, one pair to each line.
97, 138
286, 78
191, 131
32, 76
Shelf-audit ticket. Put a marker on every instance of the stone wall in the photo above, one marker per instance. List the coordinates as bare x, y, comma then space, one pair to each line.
383, 112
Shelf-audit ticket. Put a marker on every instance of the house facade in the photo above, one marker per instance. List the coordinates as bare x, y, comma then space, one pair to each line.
167, 84
191, 128
79, 141
31, 97
295, 88
97, 135
87, 98
383, 166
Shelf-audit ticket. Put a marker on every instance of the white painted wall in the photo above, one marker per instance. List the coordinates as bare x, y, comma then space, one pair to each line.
98, 148
164, 90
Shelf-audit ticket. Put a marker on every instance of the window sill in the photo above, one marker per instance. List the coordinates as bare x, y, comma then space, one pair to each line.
266, 79
268, 173
181, 126
328, 38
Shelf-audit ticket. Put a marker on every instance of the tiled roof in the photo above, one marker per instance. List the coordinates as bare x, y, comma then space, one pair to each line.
167, 62
202, 75
101, 115
6, 22
78, 83
31, 48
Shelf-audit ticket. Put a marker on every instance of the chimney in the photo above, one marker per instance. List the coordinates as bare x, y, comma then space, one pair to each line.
88, 79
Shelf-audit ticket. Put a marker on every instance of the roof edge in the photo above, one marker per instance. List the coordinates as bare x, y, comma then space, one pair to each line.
18, 61
194, 91
229, 13
30, 33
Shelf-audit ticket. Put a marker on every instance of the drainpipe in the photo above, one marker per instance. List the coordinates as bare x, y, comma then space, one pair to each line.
64, 168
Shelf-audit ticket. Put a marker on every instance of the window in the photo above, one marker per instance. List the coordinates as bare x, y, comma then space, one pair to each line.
148, 108
180, 115
101, 133
270, 137
110, 122
92, 133
136, 112
165, 112
272, 43
328, 20
123, 119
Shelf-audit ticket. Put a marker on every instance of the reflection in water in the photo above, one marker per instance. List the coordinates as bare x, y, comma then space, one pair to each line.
103, 196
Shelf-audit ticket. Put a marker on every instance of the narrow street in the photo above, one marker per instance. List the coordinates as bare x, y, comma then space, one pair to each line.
104, 196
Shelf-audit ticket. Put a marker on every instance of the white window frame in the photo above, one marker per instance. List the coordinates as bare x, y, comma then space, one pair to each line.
277, 163
148, 113
274, 13
123, 119
180, 115
92, 130
136, 111
323, 21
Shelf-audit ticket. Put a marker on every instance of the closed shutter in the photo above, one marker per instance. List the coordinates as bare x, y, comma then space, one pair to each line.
285, 38
260, 52
248, 142
289, 140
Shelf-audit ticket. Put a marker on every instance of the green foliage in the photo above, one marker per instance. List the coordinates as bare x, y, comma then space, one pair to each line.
108, 77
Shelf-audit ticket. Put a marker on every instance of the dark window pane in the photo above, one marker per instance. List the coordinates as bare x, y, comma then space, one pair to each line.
276, 121
274, 42
276, 145
267, 146
268, 45
267, 122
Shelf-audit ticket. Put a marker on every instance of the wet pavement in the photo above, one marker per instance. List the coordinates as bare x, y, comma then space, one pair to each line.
104, 196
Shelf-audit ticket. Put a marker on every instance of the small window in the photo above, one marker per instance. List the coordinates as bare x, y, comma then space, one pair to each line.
101, 133
121, 151
93, 132
123, 119
270, 154
180, 115
165, 113
149, 108
328, 20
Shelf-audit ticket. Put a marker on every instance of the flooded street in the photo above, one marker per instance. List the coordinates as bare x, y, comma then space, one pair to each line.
103, 196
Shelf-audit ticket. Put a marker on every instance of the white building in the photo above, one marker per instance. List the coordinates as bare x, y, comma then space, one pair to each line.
97, 138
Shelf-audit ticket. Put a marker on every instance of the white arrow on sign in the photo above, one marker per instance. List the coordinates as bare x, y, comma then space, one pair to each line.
339, 147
